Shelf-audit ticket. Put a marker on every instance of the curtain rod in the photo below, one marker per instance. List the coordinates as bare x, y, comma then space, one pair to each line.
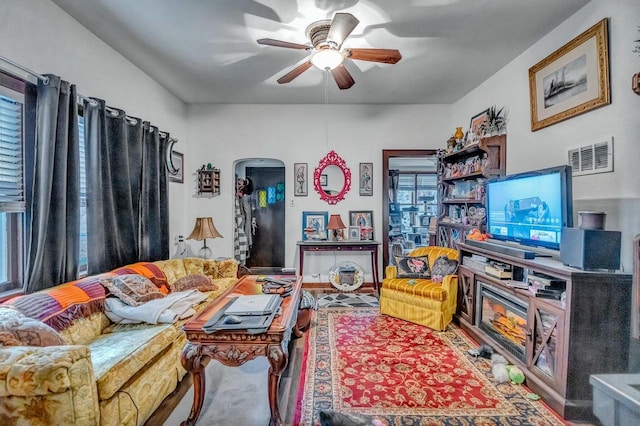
92, 101
25, 69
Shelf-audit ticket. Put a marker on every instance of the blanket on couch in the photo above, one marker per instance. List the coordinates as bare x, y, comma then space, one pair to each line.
168, 309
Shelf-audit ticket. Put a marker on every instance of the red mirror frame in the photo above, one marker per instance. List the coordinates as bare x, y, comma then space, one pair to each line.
332, 159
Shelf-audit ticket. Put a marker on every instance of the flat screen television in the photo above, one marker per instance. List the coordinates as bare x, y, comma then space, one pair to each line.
530, 208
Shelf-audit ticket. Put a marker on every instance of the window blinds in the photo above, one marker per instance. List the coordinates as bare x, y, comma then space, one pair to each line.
11, 164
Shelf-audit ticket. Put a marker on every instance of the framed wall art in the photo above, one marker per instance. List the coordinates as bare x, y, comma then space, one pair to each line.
572, 80
366, 179
176, 171
314, 225
475, 132
363, 219
301, 184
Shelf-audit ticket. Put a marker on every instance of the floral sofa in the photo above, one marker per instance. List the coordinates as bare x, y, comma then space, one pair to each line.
85, 370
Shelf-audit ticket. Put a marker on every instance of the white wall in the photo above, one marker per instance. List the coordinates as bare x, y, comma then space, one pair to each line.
223, 134
40, 36
527, 150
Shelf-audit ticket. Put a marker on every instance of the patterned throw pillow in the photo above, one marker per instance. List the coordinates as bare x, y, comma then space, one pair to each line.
190, 282
413, 267
16, 329
443, 266
133, 289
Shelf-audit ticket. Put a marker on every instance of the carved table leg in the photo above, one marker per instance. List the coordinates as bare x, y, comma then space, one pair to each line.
278, 361
191, 360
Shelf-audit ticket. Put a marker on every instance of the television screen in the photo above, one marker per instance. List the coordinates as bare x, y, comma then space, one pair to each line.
530, 208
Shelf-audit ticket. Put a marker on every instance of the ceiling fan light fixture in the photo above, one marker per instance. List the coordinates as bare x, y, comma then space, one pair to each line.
327, 59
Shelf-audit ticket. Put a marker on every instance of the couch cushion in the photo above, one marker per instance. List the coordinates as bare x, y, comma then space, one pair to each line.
173, 269
226, 268
443, 266
190, 282
117, 357
194, 265
146, 269
132, 289
16, 329
417, 287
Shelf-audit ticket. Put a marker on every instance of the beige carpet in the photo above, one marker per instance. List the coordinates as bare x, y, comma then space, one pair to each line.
235, 396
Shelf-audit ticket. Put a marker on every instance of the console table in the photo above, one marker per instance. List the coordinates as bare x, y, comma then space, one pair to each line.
316, 246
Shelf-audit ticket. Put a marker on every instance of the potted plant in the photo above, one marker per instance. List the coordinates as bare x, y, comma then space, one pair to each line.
495, 123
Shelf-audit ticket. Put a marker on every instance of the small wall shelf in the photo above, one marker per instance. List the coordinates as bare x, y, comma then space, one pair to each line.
208, 182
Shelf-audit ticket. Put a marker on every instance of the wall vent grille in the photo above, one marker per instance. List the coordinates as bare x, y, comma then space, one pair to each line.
591, 159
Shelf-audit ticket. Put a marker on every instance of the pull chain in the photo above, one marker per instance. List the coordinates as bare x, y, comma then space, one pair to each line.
326, 106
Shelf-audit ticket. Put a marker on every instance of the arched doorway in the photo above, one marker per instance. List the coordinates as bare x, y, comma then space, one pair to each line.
259, 213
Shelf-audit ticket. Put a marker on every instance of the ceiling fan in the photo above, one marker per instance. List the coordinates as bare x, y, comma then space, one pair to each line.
326, 37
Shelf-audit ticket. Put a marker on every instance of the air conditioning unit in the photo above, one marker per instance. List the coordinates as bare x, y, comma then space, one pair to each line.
591, 159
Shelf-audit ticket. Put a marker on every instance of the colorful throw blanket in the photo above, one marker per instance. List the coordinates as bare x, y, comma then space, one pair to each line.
168, 309
59, 306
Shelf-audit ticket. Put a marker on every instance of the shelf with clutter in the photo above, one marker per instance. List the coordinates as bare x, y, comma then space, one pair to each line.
463, 169
208, 180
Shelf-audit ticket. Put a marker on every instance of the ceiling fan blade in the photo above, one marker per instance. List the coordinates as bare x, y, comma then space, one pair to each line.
341, 27
294, 72
280, 43
387, 56
342, 77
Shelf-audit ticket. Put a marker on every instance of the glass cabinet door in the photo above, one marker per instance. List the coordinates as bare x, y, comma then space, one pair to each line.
546, 327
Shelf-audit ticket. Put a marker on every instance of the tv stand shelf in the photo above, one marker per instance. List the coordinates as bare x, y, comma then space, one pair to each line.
564, 342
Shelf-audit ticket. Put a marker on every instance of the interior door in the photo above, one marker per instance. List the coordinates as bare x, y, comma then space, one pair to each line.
267, 217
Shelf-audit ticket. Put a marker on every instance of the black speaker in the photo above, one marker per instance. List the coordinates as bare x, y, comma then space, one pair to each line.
590, 248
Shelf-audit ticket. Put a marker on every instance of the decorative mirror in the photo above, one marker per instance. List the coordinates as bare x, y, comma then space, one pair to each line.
332, 178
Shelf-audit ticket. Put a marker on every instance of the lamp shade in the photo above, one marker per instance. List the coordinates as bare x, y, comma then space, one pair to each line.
335, 222
204, 228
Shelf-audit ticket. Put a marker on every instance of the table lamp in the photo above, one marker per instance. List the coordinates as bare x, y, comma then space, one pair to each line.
204, 229
336, 225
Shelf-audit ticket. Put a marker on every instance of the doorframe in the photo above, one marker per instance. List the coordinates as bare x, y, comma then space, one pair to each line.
386, 155
253, 162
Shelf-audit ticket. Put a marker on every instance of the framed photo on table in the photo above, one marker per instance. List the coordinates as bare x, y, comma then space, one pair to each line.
314, 225
301, 177
366, 179
572, 80
363, 219
354, 233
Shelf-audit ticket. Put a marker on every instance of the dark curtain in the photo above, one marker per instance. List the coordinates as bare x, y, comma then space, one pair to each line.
54, 221
154, 204
127, 205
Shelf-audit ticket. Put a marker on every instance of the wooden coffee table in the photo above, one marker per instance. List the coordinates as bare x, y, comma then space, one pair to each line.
235, 347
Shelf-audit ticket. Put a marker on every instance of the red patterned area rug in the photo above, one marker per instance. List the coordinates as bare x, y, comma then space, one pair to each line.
359, 362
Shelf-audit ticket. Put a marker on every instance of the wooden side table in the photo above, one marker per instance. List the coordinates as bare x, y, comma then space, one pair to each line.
318, 246
235, 347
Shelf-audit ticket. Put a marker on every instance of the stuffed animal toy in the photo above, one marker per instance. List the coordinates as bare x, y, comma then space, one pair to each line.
515, 374
499, 368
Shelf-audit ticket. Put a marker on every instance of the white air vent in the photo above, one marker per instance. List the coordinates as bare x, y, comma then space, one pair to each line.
592, 159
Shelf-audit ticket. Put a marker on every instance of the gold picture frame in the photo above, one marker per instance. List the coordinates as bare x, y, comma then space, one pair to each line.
572, 80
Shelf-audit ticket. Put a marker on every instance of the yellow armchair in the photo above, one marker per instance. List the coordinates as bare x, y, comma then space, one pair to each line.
421, 301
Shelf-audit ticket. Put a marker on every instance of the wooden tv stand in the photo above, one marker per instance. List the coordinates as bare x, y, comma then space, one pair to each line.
565, 344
